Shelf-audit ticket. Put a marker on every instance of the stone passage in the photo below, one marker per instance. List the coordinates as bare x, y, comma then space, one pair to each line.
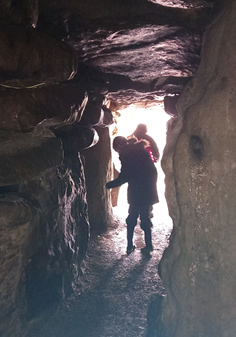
117, 293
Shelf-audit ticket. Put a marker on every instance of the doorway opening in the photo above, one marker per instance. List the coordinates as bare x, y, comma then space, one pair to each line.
156, 120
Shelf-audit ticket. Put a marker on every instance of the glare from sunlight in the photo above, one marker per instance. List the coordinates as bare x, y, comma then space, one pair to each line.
156, 119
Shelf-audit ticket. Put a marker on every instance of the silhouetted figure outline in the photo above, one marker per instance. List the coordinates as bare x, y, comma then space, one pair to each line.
139, 171
141, 133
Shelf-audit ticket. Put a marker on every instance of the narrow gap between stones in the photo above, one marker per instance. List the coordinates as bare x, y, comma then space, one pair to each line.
117, 292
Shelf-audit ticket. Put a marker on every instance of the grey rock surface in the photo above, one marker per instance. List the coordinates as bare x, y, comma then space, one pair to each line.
198, 268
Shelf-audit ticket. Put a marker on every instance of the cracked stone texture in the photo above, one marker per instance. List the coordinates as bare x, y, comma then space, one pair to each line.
118, 294
24, 156
44, 235
198, 268
24, 109
60, 62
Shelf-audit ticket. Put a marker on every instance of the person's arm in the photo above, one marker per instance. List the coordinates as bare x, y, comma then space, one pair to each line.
120, 180
123, 177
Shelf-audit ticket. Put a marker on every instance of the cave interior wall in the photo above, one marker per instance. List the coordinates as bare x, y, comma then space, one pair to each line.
60, 63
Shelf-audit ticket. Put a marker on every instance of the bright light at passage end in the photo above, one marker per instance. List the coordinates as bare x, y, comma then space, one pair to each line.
156, 119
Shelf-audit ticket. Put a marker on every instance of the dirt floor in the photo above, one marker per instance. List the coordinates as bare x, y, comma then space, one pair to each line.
117, 291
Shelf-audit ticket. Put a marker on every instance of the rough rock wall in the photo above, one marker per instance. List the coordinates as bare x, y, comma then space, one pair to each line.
199, 268
63, 232
44, 223
47, 119
97, 173
44, 226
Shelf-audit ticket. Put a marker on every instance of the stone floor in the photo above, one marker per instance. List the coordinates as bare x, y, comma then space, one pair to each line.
116, 291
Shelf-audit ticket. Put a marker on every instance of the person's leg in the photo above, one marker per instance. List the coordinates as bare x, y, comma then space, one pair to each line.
131, 222
146, 226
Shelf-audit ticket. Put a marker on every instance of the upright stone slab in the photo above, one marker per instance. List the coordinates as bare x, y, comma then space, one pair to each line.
199, 267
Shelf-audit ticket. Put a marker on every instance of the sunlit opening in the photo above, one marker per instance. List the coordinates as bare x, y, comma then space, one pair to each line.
156, 120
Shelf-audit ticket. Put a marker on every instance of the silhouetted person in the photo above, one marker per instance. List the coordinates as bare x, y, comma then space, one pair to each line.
141, 133
138, 170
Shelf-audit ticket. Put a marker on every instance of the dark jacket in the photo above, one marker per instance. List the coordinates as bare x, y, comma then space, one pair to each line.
139, 171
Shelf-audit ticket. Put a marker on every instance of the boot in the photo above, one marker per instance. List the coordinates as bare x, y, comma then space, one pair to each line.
130, 233
148, 240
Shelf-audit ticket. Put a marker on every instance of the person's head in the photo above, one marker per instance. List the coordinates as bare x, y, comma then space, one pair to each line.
141, 129
119, 142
